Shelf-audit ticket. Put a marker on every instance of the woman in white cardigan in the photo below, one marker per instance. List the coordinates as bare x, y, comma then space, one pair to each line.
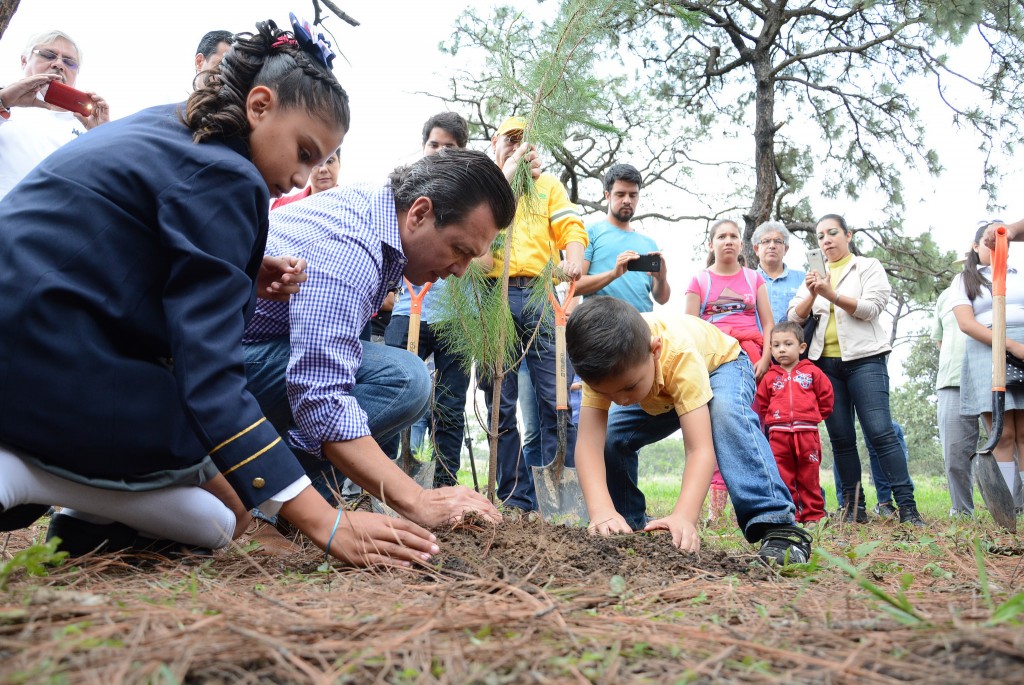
852, 348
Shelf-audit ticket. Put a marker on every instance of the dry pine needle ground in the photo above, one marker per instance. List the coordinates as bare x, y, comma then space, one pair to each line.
524, 603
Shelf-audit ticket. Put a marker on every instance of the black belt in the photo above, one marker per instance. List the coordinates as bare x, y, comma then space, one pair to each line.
521, 281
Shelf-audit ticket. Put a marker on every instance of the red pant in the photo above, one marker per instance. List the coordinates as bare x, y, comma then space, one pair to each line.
798, 454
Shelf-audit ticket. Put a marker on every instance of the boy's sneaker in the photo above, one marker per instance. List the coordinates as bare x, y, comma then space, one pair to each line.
908, 514
885, 510
786, 545
852, 514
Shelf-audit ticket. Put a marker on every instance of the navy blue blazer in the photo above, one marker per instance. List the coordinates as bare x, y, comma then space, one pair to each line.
128, 261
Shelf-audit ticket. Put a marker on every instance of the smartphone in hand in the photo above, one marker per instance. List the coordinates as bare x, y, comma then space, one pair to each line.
68, 98
816, 262
648, 262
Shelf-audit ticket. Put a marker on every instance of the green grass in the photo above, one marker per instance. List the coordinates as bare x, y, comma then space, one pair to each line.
662, 490
930, 491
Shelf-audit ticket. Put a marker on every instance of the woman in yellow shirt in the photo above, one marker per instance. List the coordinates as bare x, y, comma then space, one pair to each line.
852, 348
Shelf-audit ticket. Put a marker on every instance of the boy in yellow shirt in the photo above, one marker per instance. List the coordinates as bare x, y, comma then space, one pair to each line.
663, 372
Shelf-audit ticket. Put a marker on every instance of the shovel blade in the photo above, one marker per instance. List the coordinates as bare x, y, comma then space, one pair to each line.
559, 496
423, 474
993, 488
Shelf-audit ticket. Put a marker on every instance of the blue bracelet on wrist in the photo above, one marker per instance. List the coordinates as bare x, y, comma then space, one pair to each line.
333, 531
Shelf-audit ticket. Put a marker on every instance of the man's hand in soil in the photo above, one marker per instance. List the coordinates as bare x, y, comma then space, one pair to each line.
361, 538
684, 533
438, 506
608, 523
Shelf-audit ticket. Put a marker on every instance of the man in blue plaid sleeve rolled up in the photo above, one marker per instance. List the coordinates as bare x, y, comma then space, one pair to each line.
337, 395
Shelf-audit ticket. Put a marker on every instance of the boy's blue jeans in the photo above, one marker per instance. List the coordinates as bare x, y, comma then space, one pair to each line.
392, 387
745, 459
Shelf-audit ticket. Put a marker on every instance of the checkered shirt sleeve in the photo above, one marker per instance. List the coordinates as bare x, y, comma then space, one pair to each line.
350, 240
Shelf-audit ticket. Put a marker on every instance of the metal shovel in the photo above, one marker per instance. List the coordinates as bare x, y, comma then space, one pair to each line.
997, 496
421, 472
559, 496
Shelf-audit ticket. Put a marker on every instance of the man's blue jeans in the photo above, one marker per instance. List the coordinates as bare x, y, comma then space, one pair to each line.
392, 387
863, 385
515, 482
447, 418
531, 420
745, 458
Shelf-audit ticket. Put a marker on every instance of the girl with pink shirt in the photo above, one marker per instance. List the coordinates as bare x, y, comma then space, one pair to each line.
735, 300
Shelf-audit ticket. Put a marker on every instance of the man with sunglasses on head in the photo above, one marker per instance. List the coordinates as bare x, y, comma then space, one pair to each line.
30, 129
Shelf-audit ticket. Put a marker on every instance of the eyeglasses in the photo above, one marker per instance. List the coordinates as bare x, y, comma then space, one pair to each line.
51, 56
772, 241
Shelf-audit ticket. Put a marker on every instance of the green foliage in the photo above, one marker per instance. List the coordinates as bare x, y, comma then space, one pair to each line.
33, 560
896, 605
662, 458
470, 313
913, 406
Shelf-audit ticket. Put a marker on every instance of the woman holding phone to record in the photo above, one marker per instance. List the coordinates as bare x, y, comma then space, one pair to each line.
852, 348
30, 127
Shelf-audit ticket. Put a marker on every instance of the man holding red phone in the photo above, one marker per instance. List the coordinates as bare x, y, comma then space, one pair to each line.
30, 127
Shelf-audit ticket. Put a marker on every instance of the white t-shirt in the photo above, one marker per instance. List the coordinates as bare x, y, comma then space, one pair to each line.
28, 137
983, 303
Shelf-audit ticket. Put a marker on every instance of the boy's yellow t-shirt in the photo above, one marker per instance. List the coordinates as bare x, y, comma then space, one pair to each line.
690, 350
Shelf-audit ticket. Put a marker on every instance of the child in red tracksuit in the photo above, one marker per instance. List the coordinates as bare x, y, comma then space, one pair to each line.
792, 399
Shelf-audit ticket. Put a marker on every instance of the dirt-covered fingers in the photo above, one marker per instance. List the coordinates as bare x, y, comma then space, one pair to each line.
609, 525
443, 505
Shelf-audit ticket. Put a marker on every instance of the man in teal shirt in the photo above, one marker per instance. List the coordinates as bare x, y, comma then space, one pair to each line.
614, 243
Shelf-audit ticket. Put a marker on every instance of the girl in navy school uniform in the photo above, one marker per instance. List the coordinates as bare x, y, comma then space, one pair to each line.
132, 257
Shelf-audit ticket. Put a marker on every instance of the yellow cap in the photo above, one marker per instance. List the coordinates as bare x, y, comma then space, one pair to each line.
511, 124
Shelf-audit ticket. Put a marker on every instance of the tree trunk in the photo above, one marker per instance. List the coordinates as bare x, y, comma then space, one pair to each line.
765, 186
7, 10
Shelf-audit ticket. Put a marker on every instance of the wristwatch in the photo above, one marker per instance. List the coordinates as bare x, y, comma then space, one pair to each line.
4, 112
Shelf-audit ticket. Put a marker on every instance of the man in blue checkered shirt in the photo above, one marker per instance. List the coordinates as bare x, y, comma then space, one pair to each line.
334, 394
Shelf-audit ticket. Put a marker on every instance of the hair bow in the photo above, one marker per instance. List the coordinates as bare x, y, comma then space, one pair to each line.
319, 48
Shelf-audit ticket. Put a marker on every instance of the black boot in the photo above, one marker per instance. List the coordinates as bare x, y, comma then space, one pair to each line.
21, 516
854, 514
79, 537
854, 510
909, 514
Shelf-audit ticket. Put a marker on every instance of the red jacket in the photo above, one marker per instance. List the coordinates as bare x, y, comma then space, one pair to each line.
801, 396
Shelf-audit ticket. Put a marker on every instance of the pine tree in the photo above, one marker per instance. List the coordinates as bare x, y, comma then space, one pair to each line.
558, 94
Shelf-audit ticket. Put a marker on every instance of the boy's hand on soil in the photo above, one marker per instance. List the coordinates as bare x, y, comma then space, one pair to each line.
367, 539
610, 523
438, 506
684, 533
